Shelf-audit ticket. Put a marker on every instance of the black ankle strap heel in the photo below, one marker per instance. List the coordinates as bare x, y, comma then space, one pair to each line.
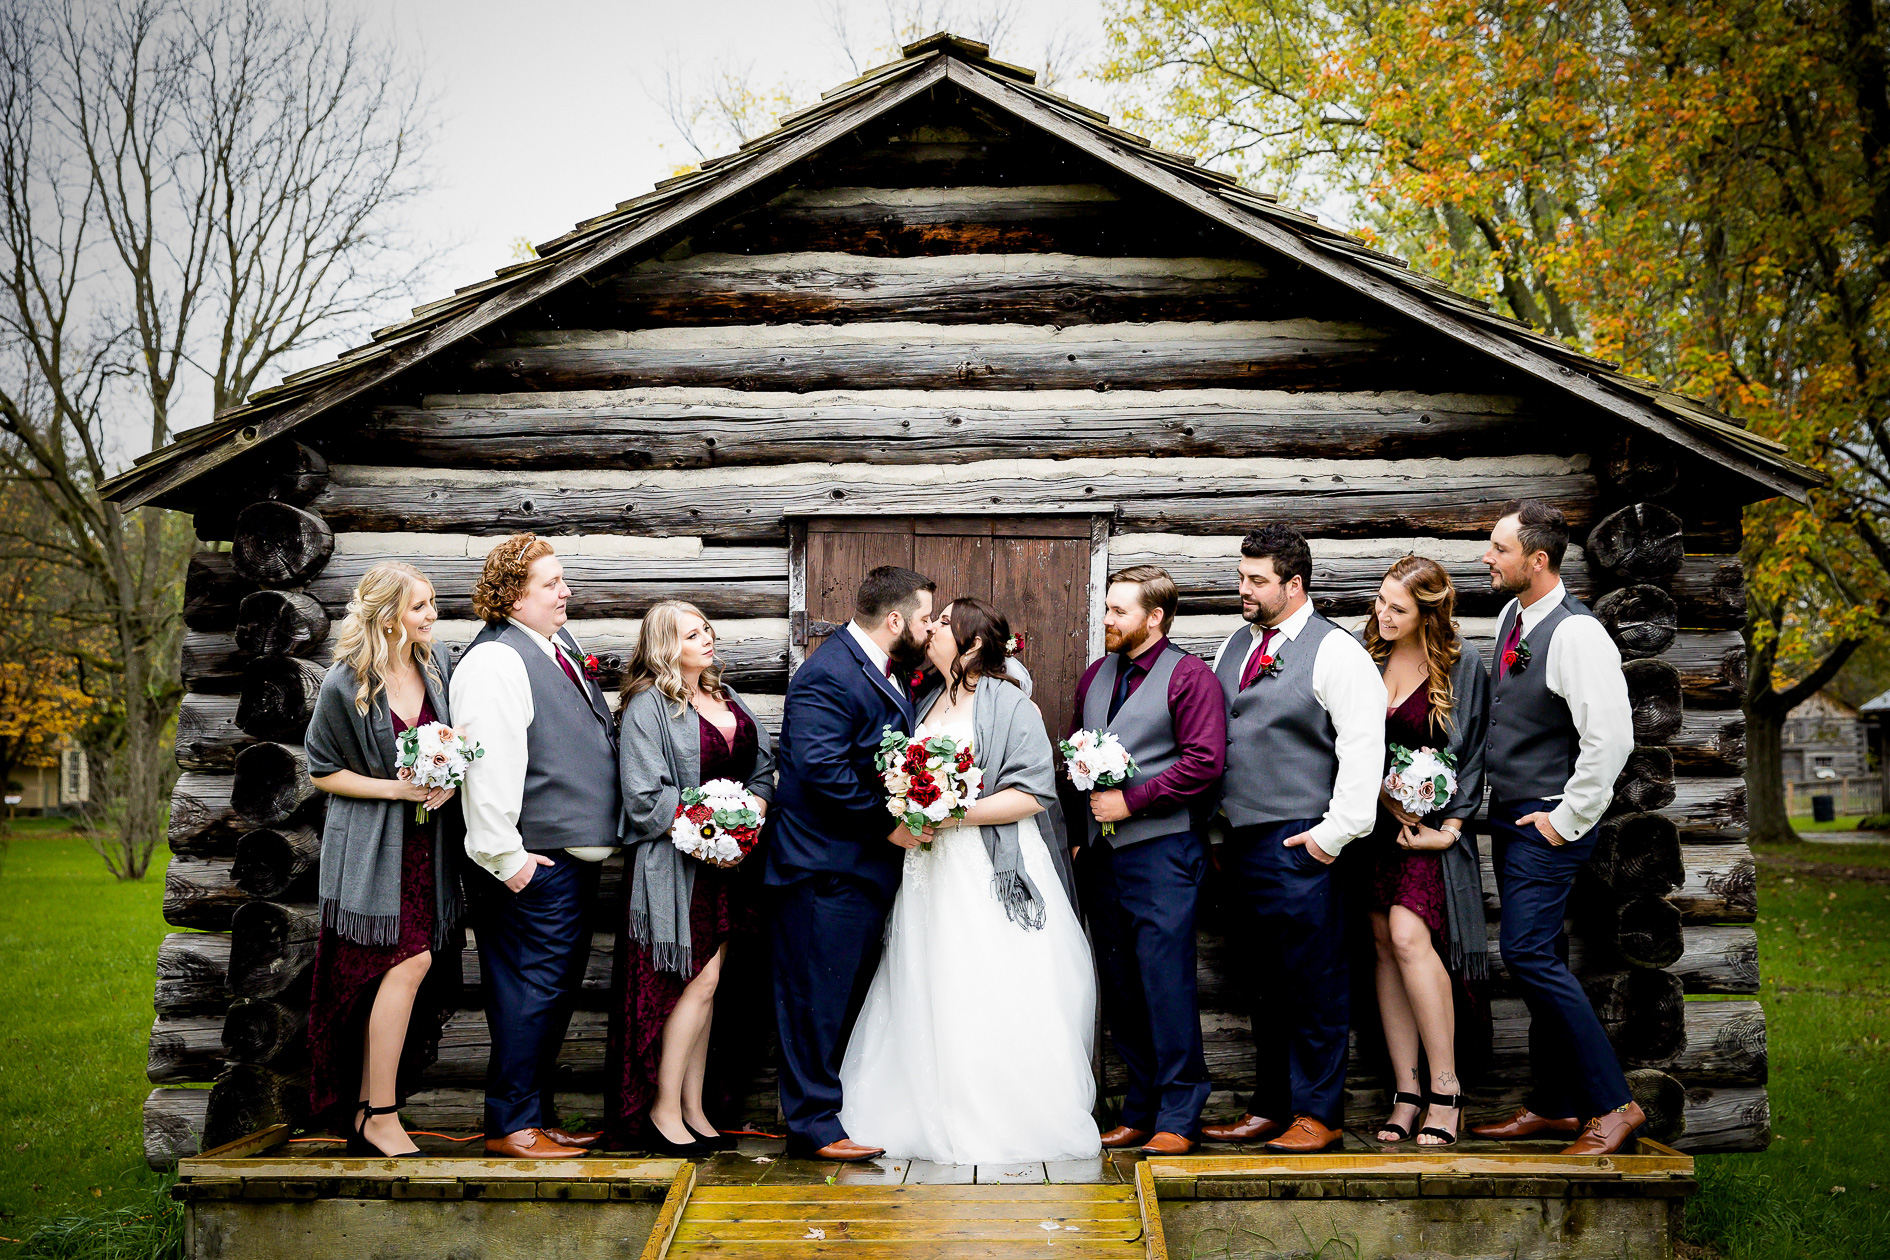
1404, 1134
1445, 1136
358, 1143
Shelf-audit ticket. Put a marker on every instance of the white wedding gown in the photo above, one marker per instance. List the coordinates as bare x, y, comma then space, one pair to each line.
973, 1046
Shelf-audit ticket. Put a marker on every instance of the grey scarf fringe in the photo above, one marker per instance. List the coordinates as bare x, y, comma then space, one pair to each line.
1019, 898
362, 929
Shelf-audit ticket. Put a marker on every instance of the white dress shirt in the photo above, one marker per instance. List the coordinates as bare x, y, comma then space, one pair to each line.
491, 698
1584, 669
1348, 686
874, 652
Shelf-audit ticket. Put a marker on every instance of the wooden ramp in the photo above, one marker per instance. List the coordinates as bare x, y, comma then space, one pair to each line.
909, 1222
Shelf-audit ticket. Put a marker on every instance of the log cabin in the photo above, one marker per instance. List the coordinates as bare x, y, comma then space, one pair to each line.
947, 318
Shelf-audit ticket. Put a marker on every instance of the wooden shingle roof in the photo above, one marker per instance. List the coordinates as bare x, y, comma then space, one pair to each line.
594, 243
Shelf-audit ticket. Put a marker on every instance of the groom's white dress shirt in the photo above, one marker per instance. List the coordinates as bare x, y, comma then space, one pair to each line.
491, 697
1584, 669
1347, 684
874, 652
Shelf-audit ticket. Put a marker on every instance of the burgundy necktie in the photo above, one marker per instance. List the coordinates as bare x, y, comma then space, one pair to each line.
1509, 642
1252, 671
892, 675
571, 673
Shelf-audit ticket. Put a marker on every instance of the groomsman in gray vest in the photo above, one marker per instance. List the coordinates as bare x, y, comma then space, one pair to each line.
1141, 883
541, 812
1560, 731
1305, 753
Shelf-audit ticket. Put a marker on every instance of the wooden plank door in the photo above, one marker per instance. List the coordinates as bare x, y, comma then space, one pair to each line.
1035, 569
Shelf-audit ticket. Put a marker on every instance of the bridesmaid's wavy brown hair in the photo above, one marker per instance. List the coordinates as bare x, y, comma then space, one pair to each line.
1436, 600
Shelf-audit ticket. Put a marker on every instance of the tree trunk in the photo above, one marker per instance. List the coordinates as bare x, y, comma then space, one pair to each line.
1766, 818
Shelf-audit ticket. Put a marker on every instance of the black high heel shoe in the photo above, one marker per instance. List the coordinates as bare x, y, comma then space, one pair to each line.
716, 1140
654, 1141
1404, 1134
358, 1143
1454, 1101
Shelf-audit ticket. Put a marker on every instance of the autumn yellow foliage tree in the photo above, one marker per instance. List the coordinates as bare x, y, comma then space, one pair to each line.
1698, 192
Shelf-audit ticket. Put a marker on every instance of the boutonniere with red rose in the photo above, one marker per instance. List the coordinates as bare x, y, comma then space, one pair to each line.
1516, 660
593, 668
1269, 665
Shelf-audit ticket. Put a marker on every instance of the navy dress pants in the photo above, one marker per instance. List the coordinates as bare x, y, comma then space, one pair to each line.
1572, 1065
533, 947
1300, 990
825, 932
1141, 901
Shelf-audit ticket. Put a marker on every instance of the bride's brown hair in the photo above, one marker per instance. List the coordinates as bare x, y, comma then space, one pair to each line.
974, 621
1436, 600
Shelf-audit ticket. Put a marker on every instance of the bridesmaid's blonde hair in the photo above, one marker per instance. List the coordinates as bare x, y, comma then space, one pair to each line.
1436, 598
375, 612
656, 661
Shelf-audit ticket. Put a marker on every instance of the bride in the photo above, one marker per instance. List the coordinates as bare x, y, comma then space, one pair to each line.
973, 1045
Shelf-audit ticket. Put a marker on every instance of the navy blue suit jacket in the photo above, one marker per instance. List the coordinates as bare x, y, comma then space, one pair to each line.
829, 813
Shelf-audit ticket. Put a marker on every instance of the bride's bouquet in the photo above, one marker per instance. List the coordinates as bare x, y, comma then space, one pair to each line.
927, 780
719, 822
1421, 781
435, 756
1097, 759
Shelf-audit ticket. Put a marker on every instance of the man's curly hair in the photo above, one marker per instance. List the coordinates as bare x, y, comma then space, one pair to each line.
508, 569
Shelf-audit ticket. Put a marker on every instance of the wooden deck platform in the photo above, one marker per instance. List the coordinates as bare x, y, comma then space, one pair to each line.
267, 1198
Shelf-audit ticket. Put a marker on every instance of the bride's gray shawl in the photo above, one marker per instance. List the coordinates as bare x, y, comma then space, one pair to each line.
1010, 745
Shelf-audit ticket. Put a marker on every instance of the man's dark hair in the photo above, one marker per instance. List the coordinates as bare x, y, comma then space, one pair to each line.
1283, 545
887, 589
1539, 527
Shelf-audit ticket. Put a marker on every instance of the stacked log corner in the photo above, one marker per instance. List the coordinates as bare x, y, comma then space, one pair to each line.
1668, 869
232, 993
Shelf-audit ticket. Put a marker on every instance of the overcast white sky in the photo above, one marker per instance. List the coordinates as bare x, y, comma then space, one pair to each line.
546, 111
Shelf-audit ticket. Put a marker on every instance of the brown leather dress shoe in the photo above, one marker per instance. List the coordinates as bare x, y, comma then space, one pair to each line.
1306, 1136
1167, 1144
1525, 1124
1251, 1128
847, 1151
585, 1140
1122, 1137
1609, 1133
529, 1144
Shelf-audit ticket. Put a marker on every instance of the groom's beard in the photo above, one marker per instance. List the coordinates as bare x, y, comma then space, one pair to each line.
907, 653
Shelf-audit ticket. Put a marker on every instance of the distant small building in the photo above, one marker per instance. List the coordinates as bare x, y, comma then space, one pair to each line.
1825, 738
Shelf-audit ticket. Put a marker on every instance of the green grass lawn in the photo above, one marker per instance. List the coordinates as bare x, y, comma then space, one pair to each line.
77, 956
1824, 955
77, 950
1843, 822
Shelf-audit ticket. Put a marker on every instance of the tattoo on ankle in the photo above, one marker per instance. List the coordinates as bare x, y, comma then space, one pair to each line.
1448, 1081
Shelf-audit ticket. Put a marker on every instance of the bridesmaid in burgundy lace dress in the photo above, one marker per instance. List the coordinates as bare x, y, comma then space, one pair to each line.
389, 888
1437, 701
681, 727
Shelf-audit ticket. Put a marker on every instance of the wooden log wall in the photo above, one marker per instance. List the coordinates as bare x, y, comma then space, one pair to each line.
935, 319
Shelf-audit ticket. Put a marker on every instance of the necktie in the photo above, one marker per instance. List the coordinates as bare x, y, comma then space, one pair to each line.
565, 663
1123, 678
1252, 671
892, 675
1510, 641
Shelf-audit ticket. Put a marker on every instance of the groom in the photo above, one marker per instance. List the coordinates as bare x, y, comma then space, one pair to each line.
834, 855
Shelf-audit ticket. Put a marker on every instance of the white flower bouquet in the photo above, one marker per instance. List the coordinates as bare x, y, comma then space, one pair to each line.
1421, 781
1097, 759
927, 780
719, 822
435, 755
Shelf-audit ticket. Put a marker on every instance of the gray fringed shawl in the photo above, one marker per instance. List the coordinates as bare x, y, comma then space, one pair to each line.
359, 883
1467, 949
659, 755
1010, 745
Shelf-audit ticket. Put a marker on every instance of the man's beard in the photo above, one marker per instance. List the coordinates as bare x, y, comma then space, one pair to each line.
1128, 642
906, 652
1262, 613
1503, 586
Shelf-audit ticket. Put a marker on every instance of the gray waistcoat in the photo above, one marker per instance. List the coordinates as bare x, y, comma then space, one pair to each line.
1282, 749
571, 759
1146, 728
1533, 743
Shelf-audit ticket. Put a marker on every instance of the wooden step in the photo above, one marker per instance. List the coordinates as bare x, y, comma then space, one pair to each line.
908, 1222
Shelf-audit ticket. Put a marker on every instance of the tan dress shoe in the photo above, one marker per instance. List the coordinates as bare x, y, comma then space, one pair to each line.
847, 1151
1306, 1136
530, 1144
1609, 1133
1525, 1124
1167, 1144
1251, 1128
585, 1140
1122, 1137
